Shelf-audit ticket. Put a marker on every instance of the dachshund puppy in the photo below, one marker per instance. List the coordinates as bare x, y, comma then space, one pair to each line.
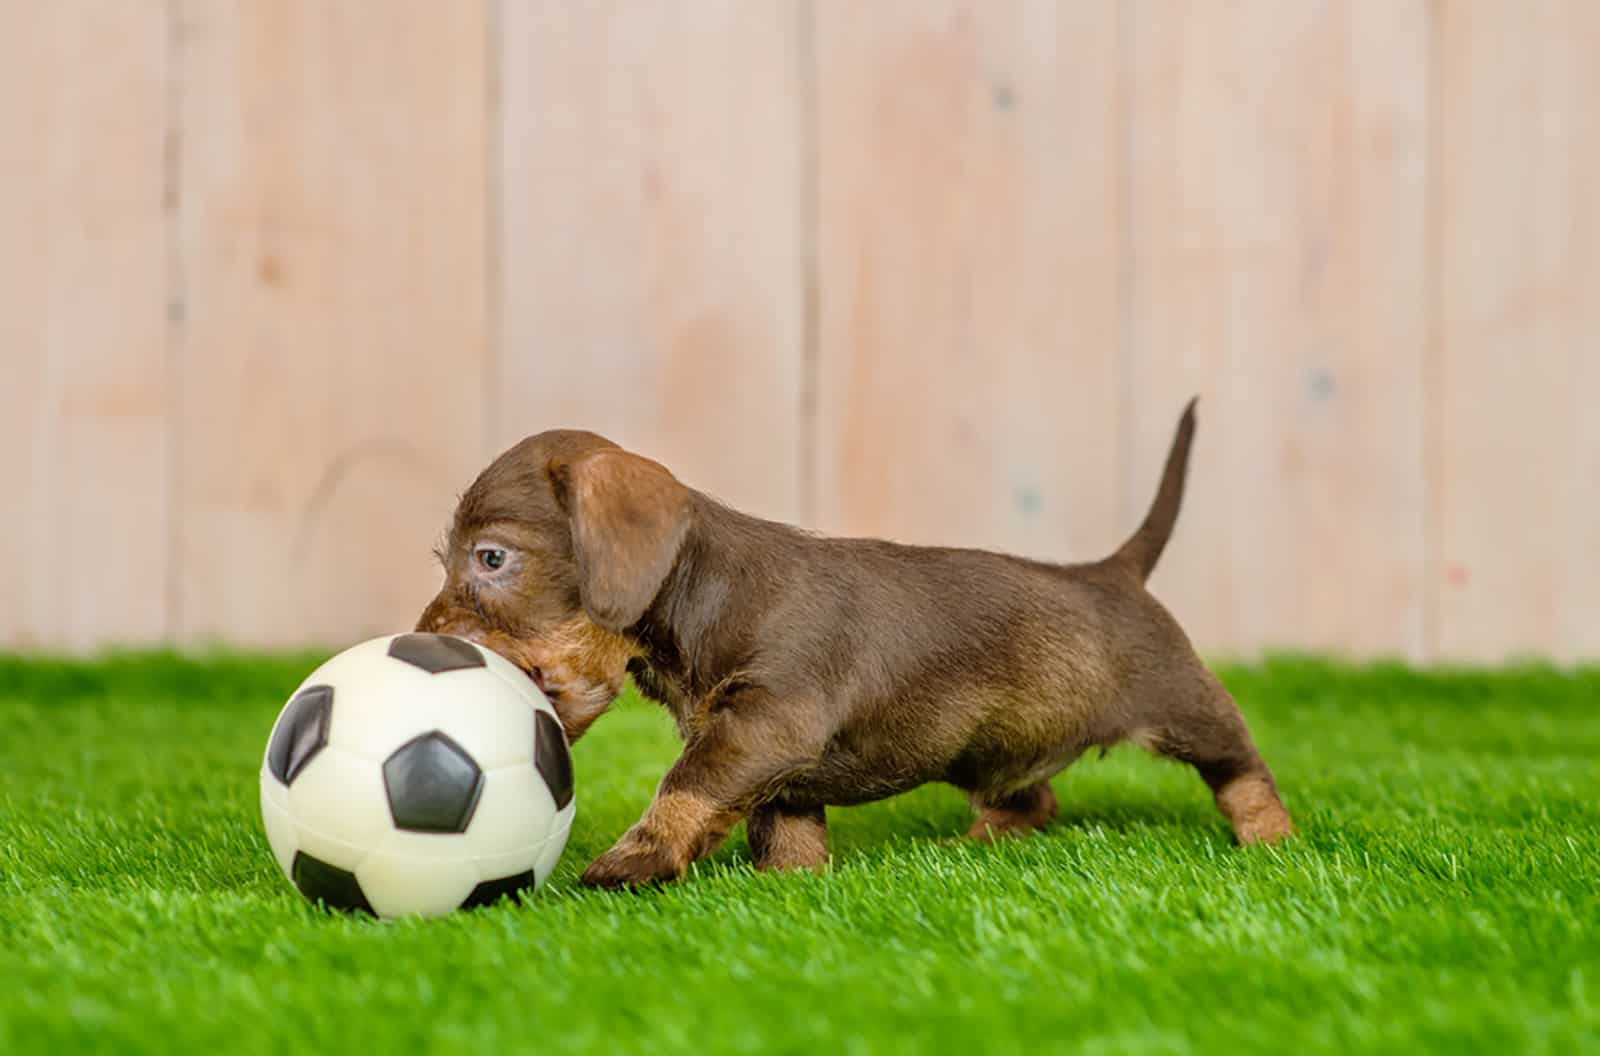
806, 672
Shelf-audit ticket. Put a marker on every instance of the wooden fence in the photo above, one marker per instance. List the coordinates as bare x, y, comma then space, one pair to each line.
278, 276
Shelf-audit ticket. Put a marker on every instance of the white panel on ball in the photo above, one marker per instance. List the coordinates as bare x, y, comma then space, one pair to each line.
497, 729
550, 853
514, 811
383, 709
399, 885
276, 820
339, 799
499, 866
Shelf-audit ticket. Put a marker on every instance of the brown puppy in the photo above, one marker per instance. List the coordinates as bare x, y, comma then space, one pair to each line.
807, 672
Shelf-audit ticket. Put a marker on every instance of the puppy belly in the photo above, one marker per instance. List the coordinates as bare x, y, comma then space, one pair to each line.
844, 779
992, 774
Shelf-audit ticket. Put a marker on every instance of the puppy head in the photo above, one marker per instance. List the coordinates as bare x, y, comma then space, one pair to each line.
554, 553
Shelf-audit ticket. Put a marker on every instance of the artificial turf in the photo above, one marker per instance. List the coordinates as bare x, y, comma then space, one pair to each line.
1441, 895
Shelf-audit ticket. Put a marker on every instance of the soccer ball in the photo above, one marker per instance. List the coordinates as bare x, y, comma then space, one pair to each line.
415, 774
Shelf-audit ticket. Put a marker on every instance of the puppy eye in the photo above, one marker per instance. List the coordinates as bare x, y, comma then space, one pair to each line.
490, 557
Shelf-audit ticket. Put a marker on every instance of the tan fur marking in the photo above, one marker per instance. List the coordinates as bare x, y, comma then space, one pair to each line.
684, 825
1251, 803
677, 829
789, 841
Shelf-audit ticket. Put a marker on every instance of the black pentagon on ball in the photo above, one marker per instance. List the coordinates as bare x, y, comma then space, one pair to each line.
551, 758
301, 733
436, 653
433, 784
491, 891
334, 887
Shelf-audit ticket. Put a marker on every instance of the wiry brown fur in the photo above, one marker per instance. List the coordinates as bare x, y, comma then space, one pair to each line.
807, 672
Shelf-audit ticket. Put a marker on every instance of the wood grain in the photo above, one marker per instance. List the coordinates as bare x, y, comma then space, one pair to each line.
1516, 446
277, 278
83, 424
968, 274
334, 350
1278, 168
651, 277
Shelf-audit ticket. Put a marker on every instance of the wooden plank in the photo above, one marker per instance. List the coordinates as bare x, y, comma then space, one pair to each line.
83, 428
1278, 167
334, 355
1516, 447
969, 269
651, 265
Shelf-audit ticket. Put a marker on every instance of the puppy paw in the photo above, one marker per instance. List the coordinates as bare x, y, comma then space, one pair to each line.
1251, 803
1023, 813
632, 863
1271, 828
992, 829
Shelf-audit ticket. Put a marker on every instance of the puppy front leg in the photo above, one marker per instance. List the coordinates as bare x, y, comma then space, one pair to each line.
731, 765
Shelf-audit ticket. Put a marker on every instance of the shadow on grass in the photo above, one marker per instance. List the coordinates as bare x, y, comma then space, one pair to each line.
877, 830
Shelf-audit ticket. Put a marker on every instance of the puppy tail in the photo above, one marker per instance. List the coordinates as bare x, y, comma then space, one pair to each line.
1141, 552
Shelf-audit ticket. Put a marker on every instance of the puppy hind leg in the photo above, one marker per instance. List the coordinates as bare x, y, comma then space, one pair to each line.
788, 838
1210, 734
1014, 814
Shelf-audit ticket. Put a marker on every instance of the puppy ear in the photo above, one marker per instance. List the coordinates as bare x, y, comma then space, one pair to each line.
628, 517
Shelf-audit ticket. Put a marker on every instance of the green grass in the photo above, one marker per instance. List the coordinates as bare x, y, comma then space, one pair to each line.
1442, 896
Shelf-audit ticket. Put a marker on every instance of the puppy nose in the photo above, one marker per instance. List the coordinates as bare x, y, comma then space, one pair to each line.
438, 618
471, 632
428, 622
